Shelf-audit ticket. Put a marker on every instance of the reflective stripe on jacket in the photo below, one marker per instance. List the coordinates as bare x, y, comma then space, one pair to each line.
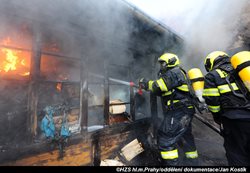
162, 87
218, 94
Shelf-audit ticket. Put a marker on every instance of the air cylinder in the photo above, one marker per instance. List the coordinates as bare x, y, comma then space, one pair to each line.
197, 79
241, 63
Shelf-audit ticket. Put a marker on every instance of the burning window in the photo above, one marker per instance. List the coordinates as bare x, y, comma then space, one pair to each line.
54, 68
14, 62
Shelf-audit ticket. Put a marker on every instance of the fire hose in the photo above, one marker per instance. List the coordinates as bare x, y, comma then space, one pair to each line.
213, 127
132, 84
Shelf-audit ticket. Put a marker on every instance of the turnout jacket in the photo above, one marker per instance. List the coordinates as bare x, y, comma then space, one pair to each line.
173, 89
220, 98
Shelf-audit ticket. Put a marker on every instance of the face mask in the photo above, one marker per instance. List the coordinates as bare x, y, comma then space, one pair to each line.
163, 65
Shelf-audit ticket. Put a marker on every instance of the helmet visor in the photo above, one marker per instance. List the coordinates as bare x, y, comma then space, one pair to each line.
208, 65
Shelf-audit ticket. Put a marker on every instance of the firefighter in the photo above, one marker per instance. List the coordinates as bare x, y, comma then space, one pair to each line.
178, 111
229, 110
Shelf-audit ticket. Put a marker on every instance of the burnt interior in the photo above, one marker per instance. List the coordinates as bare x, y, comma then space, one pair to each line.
70, 56
47, 60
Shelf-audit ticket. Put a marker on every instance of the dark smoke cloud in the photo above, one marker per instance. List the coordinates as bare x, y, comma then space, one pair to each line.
93, 30
97, 30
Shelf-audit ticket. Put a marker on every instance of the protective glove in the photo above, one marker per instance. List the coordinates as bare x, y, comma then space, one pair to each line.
143, 83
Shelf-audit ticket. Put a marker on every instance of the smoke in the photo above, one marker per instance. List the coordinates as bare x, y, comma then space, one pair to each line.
96, 31
100, 31
205, 26
93, 30
214, 27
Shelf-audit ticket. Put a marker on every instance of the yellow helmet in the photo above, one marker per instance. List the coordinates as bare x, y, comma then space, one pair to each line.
171, 60
213, 58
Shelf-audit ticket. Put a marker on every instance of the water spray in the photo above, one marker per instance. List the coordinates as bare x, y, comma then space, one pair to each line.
132, 84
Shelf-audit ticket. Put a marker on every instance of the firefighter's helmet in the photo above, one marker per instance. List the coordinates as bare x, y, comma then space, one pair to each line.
169, 60
213, 58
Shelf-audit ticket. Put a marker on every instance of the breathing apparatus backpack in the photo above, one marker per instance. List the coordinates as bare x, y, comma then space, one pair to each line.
238, 70
197, 81
241, 73
178, 76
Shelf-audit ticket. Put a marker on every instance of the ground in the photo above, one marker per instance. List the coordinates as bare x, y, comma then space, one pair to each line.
209, 146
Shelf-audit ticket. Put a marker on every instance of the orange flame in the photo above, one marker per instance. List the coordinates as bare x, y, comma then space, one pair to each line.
10, 61
13, 62
25, 74
59, 86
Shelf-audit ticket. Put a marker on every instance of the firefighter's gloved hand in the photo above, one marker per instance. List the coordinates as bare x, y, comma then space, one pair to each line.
217, 118
143, 83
